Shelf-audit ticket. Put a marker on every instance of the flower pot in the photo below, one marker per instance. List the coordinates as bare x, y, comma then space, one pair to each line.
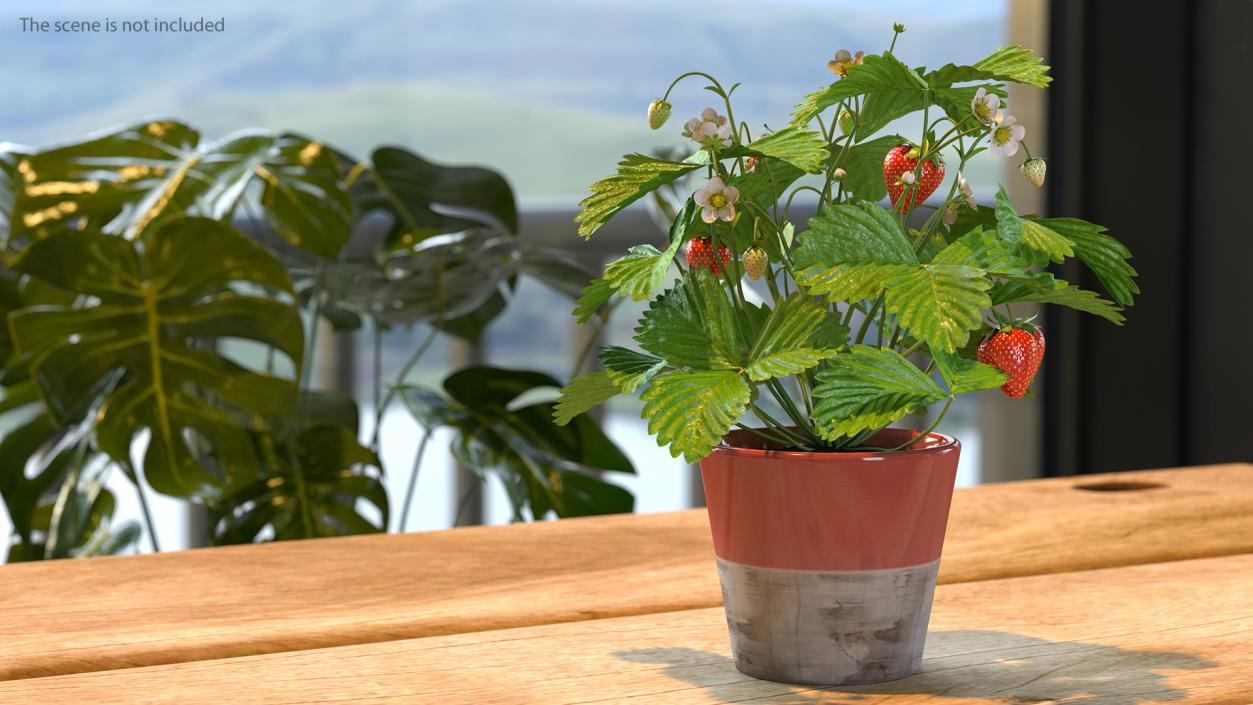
828, 560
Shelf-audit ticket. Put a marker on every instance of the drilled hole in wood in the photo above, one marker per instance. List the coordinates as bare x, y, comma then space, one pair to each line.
1119, 486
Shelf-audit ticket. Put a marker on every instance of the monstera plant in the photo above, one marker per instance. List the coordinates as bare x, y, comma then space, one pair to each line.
135, 262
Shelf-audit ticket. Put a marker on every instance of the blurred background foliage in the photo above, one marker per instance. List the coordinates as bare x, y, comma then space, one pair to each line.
125, 277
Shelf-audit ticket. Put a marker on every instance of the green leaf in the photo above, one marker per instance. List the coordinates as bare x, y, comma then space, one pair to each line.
967, 220
20, 488
1044, 288
1014, 63
9, 179
308, 488
544, 466
303, 197
583, 393
850, 251
716, 317
963, 375
439, 280
863, 166
861, 232
868, 388
786, 362
984, 250
429, 408
939, 303
594, 297
1103, 254
426, 199
80, 520
783, 347
637, 175
640, 274
691, 411
482, 388
880, 77
1038, 242
132, 343
830, 333
768, 184
671, 329
132, 180
802, 148
693, 325
629, 369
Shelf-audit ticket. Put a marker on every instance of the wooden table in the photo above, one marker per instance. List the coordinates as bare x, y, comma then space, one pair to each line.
1127, 588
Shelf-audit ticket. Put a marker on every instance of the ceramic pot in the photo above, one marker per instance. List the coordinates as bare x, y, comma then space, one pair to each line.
828, 560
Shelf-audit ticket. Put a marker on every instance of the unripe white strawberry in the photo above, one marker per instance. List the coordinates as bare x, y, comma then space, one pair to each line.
1033, 169
658, 113
846, 122
756, 263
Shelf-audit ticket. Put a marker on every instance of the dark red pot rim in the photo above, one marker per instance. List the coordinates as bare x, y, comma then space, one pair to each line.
743, 444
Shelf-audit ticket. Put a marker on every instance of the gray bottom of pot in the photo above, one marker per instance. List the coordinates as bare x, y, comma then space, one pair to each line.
827, 627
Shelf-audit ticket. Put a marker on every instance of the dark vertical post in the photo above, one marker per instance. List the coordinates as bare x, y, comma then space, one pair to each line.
1145, 147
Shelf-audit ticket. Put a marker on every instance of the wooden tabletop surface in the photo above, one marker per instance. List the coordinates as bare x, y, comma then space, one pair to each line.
653, 574
1175, 632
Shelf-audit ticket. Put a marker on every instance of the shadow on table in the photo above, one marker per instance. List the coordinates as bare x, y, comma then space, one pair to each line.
998, 666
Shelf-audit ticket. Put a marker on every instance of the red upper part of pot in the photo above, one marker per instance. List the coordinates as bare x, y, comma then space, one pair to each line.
830, 511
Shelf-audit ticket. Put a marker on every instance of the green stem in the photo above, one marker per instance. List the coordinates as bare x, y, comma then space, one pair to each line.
400, 378
146, 511
865, 324
780, 428
306, 366
586, 350
765, 434
376, 373
413, 481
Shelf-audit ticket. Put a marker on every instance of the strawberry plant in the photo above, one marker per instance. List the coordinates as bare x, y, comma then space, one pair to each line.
865, 312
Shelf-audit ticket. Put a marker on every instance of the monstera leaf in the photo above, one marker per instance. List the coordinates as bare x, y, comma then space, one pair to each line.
79, 523
9, 178
29, 430
458, 281
426, 199
309, 487
52, 484
131, 337
132, 181
545, 467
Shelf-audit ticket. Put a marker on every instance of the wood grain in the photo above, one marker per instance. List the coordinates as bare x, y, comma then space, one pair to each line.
1169, 632
69, 617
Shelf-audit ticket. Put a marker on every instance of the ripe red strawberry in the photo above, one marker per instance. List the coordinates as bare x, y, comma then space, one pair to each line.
699, 253
755, 263
1017, 353
899, 161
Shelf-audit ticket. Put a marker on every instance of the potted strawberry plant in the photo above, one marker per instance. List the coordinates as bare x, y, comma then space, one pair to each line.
782, 351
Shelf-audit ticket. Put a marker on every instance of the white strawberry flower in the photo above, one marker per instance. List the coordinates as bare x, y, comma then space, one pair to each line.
964, 187
709, 130
907, 178
839, 174
986, 107
950, 215
1005, 137
717, 201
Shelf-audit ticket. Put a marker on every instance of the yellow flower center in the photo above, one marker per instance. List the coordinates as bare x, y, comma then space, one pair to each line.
982, 110
1000, 135
717, 200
